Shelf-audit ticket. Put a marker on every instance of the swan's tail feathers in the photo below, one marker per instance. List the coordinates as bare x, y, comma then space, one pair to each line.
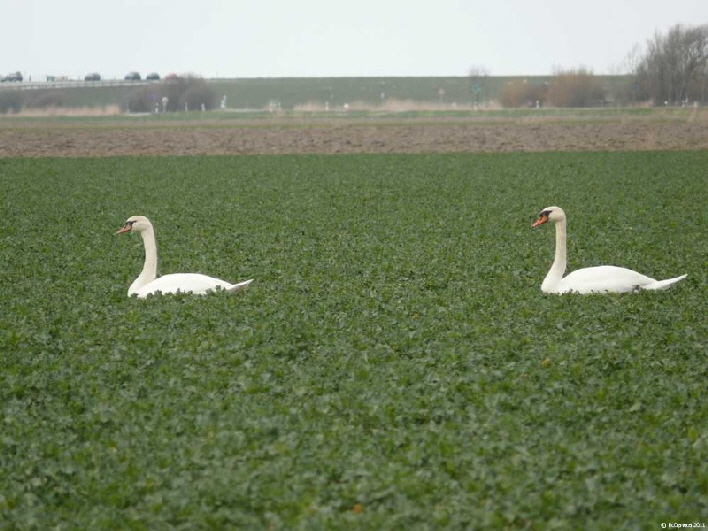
663, 284
240, 285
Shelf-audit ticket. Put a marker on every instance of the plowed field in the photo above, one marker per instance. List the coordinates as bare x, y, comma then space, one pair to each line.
36, 138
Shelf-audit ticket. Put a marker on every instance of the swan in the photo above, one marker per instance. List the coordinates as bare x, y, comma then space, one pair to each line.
148, 283
600, 279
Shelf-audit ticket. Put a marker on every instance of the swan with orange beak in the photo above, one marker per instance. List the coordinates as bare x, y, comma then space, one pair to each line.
600, 279
148, 282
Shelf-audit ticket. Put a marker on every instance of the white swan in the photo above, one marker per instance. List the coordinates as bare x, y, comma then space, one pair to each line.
148, 283
601, 279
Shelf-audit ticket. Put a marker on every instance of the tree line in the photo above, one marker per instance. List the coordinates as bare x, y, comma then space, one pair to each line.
172, 94
672, 69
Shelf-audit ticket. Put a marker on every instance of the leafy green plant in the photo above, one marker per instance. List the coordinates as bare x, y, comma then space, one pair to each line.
393, 365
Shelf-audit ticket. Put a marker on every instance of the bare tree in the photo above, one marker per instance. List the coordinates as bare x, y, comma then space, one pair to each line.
700, 85
632, 60
672, 63
479, 75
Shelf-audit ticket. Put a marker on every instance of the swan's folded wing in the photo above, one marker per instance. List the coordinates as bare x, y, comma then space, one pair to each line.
604, 279
183, 283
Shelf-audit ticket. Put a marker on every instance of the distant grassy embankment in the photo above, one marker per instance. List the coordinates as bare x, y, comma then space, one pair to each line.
290, 93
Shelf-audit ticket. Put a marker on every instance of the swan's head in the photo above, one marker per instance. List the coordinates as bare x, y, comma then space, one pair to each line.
554, 214
135, 224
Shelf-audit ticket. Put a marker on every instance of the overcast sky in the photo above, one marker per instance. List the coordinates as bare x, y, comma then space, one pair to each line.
276, 38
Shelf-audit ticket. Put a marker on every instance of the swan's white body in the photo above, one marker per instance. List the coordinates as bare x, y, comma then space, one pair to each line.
601, 279
147, 282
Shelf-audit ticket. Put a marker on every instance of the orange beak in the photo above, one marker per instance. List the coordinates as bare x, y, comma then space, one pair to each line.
540, 221
124, 228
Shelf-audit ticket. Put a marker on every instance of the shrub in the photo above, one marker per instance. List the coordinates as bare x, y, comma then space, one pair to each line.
139, 101
522, 94
42, 99
197, 95
10, 101
575, 88
191, 90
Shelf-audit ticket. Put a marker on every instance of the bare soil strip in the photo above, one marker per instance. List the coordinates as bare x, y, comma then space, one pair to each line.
40, 138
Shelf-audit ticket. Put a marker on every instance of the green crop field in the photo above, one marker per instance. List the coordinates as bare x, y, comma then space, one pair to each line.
394, 365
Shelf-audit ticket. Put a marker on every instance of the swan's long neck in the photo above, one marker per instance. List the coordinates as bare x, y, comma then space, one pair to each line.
555, 274
149, 272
